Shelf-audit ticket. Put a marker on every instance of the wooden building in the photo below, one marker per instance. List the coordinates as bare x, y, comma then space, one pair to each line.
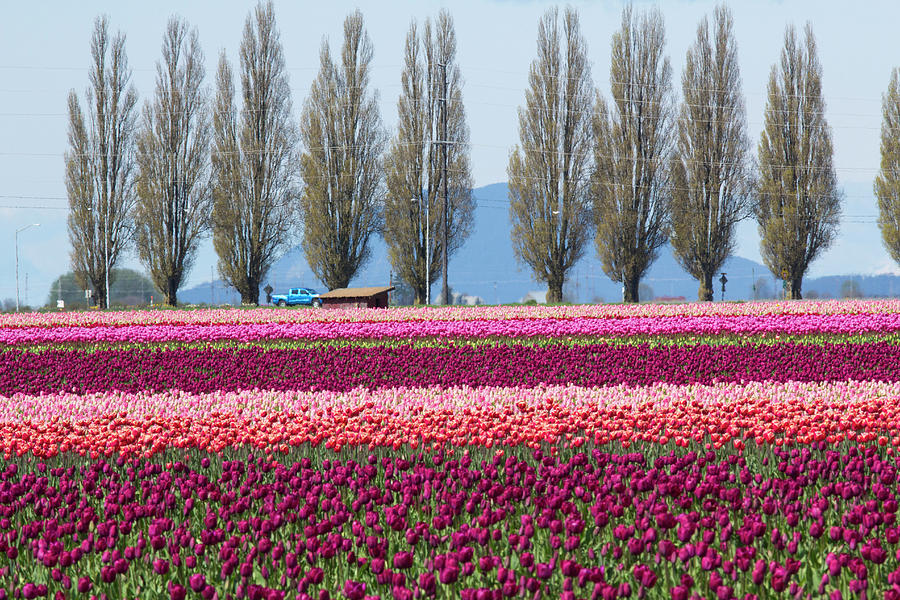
363, 297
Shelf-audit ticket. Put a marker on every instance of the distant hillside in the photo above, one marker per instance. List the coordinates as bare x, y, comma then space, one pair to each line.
870, 286
485, 266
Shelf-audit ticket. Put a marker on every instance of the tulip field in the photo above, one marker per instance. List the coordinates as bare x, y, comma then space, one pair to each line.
699, 451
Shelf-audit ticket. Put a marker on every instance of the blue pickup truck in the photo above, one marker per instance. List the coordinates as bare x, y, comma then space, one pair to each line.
298, 296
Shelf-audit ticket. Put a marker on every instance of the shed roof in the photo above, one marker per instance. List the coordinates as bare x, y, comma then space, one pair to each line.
360, 292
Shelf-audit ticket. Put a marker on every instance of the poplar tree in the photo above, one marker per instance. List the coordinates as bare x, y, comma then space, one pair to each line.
253, 159
632, 152
799, 203
100, 164
341, 164
413, 160
887, 183
711, 183
172, 211
549, 170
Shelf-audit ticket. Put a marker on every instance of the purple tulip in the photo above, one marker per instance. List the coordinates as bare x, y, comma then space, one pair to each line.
176, 592
245, 570
427, 583
402, 593
635, 546
759, 572
449, 574
645, 576
197, 582
679, 592
402, 560
816, 530
354, 590
84, 585
161, 566
779, 578
570, 568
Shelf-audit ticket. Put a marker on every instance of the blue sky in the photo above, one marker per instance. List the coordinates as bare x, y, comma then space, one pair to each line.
44, 52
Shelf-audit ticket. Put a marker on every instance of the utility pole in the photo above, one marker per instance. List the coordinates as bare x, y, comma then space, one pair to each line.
427, 250
427, 245
446, 213
106, 250
18, 231
212, 300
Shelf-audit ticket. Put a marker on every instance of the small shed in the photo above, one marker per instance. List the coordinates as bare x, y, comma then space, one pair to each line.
362, 297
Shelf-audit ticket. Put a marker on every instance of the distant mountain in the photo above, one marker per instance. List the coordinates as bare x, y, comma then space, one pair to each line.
215, 292
870, 286
486, 267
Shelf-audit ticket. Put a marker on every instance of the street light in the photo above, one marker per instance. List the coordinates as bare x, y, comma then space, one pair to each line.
724, 280
18, 231
427, 250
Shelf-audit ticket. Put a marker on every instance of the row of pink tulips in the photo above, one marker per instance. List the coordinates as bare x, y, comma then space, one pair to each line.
605, 311
817, 401
747, 325
717, 415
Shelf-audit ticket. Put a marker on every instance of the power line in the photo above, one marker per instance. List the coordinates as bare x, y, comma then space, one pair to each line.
534, 149
590, 111
146, 70
10, 206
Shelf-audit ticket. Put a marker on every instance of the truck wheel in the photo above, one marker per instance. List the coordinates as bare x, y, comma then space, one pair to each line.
282, 303
317, 304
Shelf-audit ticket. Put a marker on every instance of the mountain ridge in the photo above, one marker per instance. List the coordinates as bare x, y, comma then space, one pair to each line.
486, 267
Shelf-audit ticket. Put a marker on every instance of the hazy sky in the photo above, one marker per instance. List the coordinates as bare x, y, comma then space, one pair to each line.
44, 52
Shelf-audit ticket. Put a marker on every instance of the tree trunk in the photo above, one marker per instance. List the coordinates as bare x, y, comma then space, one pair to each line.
99, 297
251, 294
630, 290
554, 290
705, 293
420, 292
171, 291
250, 299
793, 288
338, 281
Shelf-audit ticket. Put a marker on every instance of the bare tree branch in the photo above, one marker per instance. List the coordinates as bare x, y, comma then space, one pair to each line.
711, 182
412, 162
799, 203
341, 165
549, 170
100, 164
174, 199
253, 159
887, 183
632, 152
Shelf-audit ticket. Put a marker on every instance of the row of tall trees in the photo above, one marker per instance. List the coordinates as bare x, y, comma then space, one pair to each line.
632, 171
887, 182
643, 170
235, 165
